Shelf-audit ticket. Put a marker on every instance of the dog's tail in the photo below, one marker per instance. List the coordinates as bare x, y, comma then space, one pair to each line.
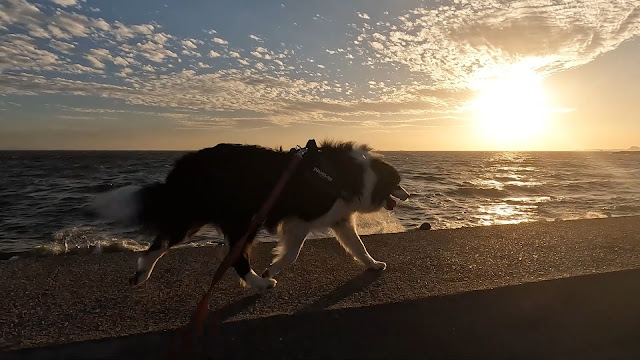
133, 205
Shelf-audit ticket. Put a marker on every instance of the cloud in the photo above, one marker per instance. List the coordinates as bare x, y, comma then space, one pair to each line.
191, 53
120, 61
100, 24
61, 46
75, 24
65, 3
81, 69
37, 31
19, 12
57, 32
220, 41
124, 32
146, 29
451, 44
20, 52
403, 71
97, 58
151, 50
188, 44
94, 61
124, 72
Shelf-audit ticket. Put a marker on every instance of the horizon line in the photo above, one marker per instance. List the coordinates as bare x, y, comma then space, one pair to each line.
631, 149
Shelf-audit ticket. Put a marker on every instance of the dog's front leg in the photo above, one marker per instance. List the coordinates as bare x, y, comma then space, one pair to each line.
349, 239
292, 237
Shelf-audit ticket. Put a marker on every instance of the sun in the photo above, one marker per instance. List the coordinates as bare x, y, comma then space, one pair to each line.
510, 111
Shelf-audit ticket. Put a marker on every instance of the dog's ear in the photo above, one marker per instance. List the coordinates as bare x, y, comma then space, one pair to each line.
311, 145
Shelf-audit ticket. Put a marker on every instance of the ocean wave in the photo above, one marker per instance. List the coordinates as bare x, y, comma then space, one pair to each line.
527, 200
478, 192
527, 189
425, 177
94, 189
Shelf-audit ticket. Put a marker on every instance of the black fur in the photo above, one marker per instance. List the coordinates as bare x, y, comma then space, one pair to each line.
227, 184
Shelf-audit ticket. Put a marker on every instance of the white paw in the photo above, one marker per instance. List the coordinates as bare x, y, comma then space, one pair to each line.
378, 265
256, 282
272, 283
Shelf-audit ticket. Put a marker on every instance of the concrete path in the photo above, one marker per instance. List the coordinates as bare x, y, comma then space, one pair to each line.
429, 299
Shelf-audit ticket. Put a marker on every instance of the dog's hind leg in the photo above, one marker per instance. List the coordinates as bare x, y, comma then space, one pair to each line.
348, 237
148, 260
160, 245
248, 277
288, 249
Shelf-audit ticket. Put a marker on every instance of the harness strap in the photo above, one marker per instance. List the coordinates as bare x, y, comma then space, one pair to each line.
199, 316
321, 174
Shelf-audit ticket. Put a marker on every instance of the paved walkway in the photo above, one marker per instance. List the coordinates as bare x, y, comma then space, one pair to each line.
449, 293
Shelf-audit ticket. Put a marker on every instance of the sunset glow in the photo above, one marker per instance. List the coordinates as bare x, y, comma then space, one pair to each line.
402, 75
512, 110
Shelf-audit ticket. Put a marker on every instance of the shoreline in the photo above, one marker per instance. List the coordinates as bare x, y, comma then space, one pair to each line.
125, 245
67, 299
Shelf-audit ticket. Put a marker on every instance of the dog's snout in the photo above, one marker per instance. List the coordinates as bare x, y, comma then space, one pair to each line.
400, 193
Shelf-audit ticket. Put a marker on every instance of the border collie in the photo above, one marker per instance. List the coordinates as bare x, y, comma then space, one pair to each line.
226, 185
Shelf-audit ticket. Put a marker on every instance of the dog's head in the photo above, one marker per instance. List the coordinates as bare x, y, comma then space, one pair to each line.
386, 187
369, 182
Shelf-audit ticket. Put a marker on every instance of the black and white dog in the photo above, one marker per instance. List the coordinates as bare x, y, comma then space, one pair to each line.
226, 185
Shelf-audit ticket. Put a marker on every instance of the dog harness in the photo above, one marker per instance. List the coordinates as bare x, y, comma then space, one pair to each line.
320, 172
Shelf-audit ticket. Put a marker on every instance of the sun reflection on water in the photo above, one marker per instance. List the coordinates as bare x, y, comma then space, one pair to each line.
503, 213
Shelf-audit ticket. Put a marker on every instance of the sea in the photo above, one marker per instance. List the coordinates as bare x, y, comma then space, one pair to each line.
44, 194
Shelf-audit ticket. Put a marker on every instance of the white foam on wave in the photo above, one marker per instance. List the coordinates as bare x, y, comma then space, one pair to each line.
92, 240
86, 240
378, 223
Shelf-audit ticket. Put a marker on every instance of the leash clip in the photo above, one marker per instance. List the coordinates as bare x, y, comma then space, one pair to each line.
300, 151
311, 145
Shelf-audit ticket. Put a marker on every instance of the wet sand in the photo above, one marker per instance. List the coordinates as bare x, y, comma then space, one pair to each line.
426, 302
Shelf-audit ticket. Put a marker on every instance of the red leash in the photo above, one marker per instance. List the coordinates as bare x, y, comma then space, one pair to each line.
199, 316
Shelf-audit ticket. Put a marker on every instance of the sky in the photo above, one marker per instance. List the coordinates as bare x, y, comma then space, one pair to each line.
397, 75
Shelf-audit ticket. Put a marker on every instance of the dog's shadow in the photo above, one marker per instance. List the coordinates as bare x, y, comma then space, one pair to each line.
353, 286
236, 307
